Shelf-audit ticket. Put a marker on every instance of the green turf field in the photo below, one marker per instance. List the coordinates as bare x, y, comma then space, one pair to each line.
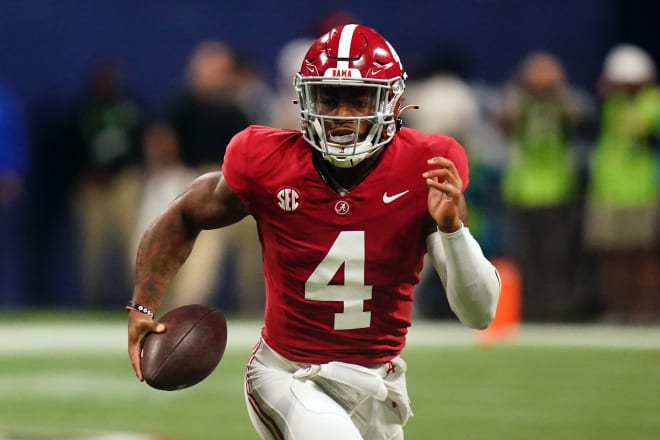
459, 390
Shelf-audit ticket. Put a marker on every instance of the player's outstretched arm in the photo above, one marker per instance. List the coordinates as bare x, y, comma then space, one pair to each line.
470, 280
208, 203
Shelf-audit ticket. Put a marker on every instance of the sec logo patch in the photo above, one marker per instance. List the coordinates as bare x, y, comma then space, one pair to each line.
288, 199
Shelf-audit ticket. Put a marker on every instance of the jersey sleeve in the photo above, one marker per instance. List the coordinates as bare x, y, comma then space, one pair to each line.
234, 166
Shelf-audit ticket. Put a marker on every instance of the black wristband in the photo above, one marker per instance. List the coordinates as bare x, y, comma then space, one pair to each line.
132, 305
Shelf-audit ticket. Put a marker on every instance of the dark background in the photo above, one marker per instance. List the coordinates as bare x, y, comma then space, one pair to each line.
46, 46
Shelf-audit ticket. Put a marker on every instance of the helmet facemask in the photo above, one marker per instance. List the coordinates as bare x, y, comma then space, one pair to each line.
347, 138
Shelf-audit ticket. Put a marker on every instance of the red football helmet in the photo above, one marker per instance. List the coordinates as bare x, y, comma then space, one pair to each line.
361, 62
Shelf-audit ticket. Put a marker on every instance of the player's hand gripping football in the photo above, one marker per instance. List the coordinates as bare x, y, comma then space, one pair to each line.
445, 193
139, 325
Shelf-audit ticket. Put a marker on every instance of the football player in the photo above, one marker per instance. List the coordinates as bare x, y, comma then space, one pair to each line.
346, 209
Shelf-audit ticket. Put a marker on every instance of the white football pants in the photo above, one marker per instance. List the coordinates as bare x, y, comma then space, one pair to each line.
296, 401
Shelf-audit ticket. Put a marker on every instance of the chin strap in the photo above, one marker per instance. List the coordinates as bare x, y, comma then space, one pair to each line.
398, 120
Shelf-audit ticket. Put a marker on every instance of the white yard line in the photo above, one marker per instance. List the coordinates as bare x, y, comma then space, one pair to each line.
107, 436
560, 335
92, 337
19, 339
36, 338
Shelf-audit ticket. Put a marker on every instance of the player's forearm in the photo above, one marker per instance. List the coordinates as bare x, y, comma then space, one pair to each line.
471, 281
163, 249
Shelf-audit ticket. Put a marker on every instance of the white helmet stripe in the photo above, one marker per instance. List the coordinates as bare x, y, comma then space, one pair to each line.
345, 41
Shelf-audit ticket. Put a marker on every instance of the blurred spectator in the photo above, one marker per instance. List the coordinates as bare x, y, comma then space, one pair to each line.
621, 224
288, 61
206, 113
253, 93
205, 116
449, 104
165, 177
105, 134
541, 114
14, 161
452, 104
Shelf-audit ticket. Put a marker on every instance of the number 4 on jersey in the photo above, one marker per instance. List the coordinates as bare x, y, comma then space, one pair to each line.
348, 249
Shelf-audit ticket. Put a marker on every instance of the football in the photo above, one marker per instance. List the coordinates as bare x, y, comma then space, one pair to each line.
188, 351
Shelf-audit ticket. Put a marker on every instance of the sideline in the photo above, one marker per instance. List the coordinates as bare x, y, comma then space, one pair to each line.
36, 337
107, 436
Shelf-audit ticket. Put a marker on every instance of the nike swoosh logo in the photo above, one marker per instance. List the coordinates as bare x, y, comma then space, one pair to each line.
390, 199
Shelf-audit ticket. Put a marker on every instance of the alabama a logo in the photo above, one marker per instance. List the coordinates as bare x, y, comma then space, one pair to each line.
342, 207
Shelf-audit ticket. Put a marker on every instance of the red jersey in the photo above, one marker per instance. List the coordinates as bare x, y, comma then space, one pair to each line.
340, 270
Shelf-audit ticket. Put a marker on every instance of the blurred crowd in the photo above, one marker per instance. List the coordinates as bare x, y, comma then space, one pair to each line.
564, 182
